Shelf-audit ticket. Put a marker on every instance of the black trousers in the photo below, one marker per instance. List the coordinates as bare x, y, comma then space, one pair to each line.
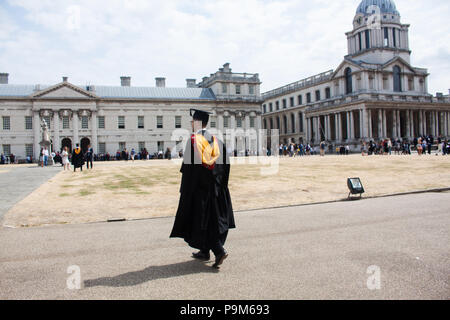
87, 163
216, 244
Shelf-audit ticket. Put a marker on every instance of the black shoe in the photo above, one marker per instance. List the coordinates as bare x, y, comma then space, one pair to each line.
201, 255
220, 259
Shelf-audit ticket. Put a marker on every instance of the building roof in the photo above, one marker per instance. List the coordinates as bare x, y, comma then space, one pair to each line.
118, 92
386, 6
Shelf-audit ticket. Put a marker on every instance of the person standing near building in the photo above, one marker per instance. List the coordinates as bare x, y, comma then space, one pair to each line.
89, 157
133, 153
205, 212
77, 158
65, 159
44, 156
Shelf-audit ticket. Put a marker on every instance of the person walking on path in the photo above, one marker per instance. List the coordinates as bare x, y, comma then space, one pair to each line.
205, 212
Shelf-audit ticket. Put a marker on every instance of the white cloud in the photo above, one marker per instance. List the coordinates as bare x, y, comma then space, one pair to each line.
282, 40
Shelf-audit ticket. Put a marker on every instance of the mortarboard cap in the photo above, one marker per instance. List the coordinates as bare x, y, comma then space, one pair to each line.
200, 115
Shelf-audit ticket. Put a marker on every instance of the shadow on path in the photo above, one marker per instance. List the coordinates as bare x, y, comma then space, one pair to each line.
152, 273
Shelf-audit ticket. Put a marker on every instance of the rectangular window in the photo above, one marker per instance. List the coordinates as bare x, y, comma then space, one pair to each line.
141, 146
308, 97
160, 145
284, 104
278, 105
28, 123
140, 122
66, 122
327, 93
251, 89
300, 120
177, 122
47, 120
394, 34
101, 148
224, 88
367, 39
270, 107
386, 37
159, 122
238, 89
238, 122
122, 146
121, 121
264, 108
212, 122
317, 95
300, 99
6, 150
29, 150
84, 123
225, 122
101, 122
360, 41
291, 99
252, 122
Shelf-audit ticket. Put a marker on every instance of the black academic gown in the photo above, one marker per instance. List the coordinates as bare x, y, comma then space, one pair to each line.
205, 212
77, 158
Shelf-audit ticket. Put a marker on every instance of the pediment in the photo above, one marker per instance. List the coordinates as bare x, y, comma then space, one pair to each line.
344, 65
397, 61
64, 90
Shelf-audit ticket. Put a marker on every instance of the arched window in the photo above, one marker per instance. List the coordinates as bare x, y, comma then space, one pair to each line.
397, 79
348, 81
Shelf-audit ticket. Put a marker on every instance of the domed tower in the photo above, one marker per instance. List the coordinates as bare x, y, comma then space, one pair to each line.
378, 35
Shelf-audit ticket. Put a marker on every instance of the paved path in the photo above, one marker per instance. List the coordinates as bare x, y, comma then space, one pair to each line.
308, 252
18, 182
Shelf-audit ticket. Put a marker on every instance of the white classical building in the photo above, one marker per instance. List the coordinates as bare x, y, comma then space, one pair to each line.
374, 93
112, 118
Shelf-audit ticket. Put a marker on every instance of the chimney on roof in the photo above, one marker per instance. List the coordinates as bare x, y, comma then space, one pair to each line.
125, 81
190, 83
226, 67
160, 82
4, 78
65, 79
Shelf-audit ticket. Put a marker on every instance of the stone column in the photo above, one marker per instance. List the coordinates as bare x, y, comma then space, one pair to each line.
220, 124
412, 123
380, 124
76, 138
328, 122
94, 142
348, 126
247, 131
56, 139
420, 122
436, 116
433, 124
384, 124
369, 124
258, 135
308, 129
364, 125
399, 129
37, 135
233, 121
425, 124
336, 126
394, 124
352, 125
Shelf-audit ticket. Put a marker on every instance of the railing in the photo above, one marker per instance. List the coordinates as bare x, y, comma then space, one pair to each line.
324, 76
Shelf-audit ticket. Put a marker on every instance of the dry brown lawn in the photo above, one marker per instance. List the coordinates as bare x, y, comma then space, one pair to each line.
145, 189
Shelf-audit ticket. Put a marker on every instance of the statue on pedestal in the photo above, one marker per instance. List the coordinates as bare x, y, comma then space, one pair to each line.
46, 142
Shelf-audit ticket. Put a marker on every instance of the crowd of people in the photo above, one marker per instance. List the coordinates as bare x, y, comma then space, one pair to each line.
423, 145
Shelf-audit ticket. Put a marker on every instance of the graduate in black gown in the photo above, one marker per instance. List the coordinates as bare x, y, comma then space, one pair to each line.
77, 158
205, 212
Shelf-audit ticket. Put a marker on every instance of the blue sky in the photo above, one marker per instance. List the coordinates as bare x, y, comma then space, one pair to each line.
97, 41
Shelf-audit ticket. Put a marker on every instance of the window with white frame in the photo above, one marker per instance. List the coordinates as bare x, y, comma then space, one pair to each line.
29, 150
101, 148
6, 150
251, 89
141, 145
225, 122
6, 123
84, 122
28, 123
66, 122
238, 89
140, 122
252, 122
101, 122
177, 122
121, 122
159, 122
